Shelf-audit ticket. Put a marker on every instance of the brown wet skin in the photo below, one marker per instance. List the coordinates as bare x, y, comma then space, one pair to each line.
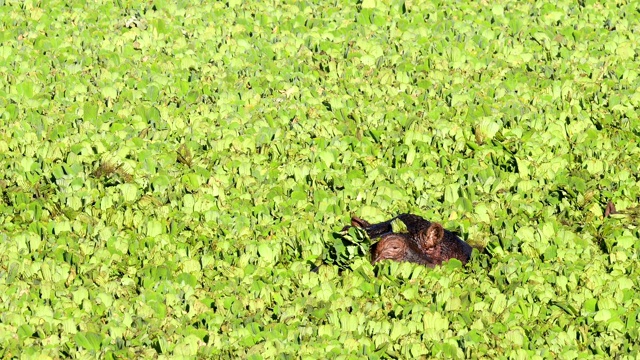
399, 247
426, 243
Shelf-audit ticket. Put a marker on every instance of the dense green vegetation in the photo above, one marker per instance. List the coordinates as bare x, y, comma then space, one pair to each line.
172, 171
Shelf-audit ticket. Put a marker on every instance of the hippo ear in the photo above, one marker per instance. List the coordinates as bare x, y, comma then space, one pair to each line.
357, 222
432, 236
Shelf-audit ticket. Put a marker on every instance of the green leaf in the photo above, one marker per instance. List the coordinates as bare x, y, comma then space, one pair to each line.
129, 192
109, 92
368, 4
154, 228
266, 252
602, 315
89, 340
25, 331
